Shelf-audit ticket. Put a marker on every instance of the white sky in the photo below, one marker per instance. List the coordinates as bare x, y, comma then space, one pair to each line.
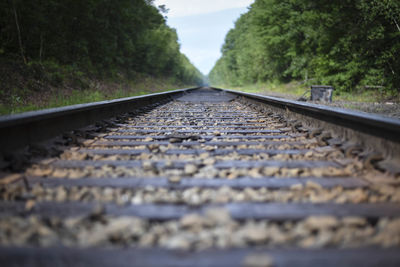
182, 8
202, 26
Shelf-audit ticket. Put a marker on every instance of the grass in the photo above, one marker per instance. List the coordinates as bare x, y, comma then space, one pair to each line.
368, 96
295, 90
42, 85
292, 89
73, 97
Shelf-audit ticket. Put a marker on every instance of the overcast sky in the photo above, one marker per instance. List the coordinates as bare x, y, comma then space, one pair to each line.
202, 26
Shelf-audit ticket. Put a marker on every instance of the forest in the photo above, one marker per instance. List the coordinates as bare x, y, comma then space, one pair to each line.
97, 35
99, 38
345, 43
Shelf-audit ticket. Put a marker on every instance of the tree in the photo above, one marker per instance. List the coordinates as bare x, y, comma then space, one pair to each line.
344, 43
99, 36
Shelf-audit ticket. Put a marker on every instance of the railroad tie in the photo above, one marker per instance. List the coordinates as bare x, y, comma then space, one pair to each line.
205, 179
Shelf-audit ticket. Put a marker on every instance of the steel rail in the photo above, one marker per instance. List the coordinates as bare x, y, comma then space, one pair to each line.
371, 124
17, 131
143, 166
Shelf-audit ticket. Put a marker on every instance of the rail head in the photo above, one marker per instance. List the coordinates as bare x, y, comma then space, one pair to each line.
31, 116
371, 124
19, 130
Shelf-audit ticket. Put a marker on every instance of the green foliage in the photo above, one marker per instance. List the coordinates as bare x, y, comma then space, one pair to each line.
344, 43
102, 37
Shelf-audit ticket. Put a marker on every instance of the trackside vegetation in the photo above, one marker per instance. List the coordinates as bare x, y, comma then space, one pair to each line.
350, 44
55, 44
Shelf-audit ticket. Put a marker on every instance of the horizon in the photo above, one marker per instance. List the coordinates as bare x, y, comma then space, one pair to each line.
202, 27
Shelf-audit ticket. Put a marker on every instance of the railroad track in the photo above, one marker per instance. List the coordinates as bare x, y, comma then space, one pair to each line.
201, 177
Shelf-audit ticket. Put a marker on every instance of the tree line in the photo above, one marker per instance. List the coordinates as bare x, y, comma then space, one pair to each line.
100, 36
345, 43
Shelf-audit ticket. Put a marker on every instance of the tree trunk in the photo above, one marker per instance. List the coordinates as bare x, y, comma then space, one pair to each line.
395, 21
18, 32
41, 48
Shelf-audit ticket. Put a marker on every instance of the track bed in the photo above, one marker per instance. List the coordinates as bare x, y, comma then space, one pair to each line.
206, 179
